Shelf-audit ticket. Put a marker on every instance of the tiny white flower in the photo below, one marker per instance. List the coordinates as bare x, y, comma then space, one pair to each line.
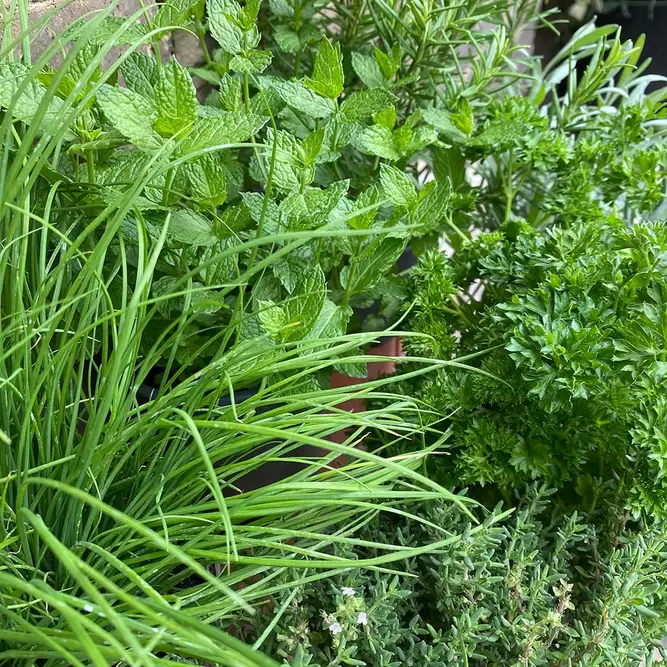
362, 618
335, 628
348, 591
88, 608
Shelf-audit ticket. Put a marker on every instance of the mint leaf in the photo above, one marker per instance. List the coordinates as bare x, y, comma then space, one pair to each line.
389, 64
131, 114
191, 228
173, 14
140, 74
305, 305
371, 264
449, 164
207, 180
176, 99
397, 186
312, 146
231, 221
231, 93
327, 79
368, 70
26, 105
287, 39
377, 140
228, 127
224, 24
273, 218
443, 123
273, 319
287, 168
118, 30
332, 321
289, 269
433, 205
365, 103
252, 63
297, 96
386, 117
281, 8
368, 199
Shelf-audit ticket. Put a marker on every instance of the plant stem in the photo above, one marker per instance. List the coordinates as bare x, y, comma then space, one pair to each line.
90, 162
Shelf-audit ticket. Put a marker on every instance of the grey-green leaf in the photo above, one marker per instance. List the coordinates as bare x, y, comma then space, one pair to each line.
191, 228
368, 70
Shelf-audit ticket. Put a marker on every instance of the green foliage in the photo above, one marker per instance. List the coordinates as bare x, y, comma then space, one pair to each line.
170, 309
570, 322
537, 587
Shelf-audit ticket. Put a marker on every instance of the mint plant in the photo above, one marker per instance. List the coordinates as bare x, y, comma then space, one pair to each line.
311, 150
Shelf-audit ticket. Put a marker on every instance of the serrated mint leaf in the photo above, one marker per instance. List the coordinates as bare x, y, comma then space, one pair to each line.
327, 79
312, 145
332, 321
288, 169
442, 122
304, 306
296, 95
367, 202
273, 219
254, 62
273, 319
231, 93
287, 39
433, 205
389, 64
175, 98
289, 269
126, 170
397, 186
140, 74
377, 140
224, 24
372, 264
231, 221
26, 105
217, 131
367, 70
173, 14
281, 8
449, 164
207, 180
118, 31
188, 227
386, 117
131, 114
365, 103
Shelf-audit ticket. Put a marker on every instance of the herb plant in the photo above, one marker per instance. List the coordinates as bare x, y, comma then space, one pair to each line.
557, 292
132, 527
530, 588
